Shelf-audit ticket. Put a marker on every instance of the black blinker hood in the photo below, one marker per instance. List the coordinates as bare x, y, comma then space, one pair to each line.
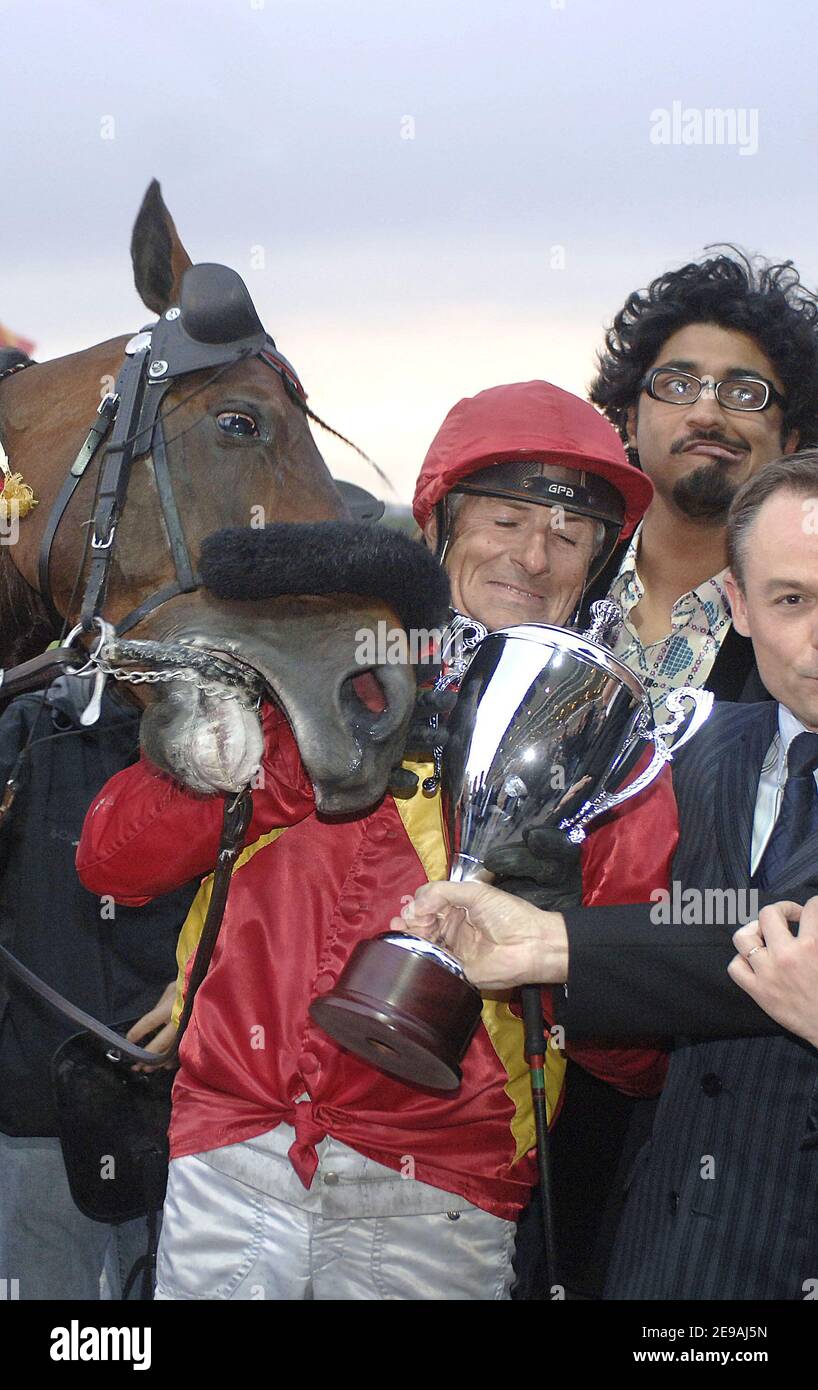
216, 306
214, 323
328, 557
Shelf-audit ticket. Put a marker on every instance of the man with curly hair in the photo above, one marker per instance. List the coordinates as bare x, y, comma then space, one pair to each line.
708, 374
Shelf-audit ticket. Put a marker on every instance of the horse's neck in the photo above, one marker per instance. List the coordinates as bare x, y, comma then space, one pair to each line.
25, 628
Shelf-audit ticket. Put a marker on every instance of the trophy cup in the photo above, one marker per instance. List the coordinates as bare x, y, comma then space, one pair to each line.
547, 725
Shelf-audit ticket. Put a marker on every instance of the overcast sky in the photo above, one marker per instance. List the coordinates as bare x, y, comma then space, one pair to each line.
449, 194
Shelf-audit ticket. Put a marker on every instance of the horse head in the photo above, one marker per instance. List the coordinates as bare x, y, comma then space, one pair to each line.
210, 442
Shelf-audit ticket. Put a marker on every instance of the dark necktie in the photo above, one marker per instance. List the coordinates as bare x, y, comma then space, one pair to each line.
798, 817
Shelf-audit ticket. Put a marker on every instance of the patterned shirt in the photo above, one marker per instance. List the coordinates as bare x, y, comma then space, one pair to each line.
699, 623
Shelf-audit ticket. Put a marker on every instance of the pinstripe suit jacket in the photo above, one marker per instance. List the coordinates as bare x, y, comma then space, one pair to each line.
723, 1202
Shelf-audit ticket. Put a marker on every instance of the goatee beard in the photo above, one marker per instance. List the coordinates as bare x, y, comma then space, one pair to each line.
704, 495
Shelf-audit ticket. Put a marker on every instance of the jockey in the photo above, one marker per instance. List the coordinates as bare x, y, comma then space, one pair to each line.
295, 1164
517, 446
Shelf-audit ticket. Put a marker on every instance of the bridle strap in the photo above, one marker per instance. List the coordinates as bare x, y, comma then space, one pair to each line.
113, 487
135, 616
131, 417
148, 436
275, 359
106, 413
187, 579
235, 822
38, 672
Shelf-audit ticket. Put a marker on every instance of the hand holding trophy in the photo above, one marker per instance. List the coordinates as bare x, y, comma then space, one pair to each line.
547, 726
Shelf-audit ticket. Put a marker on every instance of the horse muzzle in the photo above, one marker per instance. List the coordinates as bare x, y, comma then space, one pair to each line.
287, 602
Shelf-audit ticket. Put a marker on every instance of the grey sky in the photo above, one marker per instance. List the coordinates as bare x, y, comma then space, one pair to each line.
399, 274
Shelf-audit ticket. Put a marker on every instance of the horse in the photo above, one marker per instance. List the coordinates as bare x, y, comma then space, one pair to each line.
205, 436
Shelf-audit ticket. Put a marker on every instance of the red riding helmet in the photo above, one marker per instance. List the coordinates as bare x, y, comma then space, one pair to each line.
526, 442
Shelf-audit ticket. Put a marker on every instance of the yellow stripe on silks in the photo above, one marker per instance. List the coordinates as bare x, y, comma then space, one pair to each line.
507, 1035
195, 920
422, 818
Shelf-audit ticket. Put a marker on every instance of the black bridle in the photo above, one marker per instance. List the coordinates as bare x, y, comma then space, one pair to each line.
132, 423
214, 327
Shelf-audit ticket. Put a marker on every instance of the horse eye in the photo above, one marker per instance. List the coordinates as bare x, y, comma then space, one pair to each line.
235, 423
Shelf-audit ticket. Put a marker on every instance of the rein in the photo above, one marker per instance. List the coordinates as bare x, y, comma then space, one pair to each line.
235, 821
129, 424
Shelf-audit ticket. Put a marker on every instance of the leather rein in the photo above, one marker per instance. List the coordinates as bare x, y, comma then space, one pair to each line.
130, 421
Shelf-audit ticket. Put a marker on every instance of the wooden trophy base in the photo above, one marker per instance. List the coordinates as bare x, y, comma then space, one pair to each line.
405, 1006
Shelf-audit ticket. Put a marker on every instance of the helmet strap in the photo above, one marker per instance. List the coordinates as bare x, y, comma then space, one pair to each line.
444, 528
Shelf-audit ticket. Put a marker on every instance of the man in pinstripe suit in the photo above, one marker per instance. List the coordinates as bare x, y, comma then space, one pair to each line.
723, 1201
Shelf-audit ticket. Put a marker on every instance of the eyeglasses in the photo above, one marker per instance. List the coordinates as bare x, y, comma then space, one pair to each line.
734, 393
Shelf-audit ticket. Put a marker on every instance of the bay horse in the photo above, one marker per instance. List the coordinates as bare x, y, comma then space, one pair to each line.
205, 436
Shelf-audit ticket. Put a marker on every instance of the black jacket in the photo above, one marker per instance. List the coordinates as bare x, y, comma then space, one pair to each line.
587, 1144
626, 971
724, 1203
112, 961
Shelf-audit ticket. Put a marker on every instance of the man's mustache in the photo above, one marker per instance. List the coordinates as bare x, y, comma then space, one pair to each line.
711, 437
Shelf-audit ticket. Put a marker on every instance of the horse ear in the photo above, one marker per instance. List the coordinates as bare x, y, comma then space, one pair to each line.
159, 258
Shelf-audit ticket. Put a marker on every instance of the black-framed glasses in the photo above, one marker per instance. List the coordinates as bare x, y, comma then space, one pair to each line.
673, 387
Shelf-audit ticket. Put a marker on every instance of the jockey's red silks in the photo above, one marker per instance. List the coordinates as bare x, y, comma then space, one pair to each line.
304, 892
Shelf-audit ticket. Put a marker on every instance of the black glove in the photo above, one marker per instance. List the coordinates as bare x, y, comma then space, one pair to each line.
544, 868
422, 737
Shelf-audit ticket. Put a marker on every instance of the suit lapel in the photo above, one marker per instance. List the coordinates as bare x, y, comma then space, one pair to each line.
800, 869
736, 790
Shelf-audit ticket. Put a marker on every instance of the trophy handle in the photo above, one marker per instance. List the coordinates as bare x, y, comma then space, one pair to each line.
702, 705
462, 636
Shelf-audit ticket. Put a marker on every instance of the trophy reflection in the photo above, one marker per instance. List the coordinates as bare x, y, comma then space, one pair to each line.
547, 726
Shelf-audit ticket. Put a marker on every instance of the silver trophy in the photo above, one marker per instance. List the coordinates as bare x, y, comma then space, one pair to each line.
547, 726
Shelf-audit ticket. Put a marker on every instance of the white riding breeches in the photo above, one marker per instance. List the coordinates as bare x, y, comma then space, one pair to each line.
238, 1224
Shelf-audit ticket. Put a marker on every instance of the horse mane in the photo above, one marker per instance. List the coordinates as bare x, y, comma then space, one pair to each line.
26, 628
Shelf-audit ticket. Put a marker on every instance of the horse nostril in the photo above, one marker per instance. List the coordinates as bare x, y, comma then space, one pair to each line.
370, 692
373, 703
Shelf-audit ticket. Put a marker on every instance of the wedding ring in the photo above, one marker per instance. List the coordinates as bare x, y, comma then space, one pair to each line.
752, 953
